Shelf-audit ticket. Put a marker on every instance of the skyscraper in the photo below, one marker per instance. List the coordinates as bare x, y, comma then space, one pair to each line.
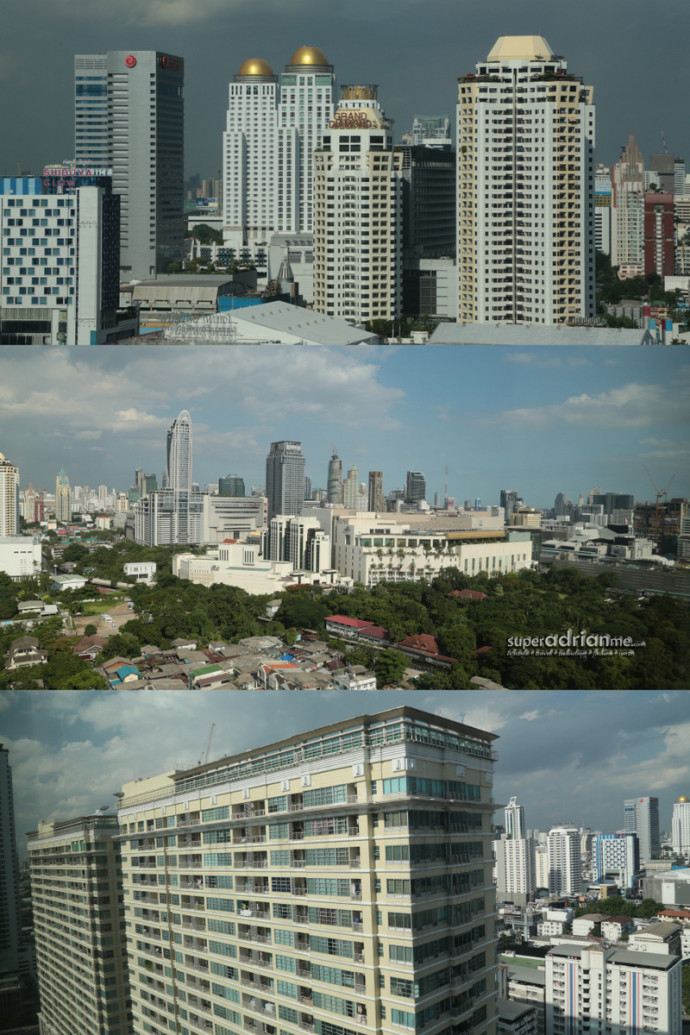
63, 498
76, 883
565, 861
627, 210
642, 816
509, 498
680, 826
514, 815
285, 478
335, 479
525, 133
231, 485
351, 488
514, 852
358, 213
9, 498
129, 118
376, 500
318, 884
415, 487
9, 873
179, 454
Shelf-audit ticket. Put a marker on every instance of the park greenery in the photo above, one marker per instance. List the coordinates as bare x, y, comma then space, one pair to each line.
648, 289
616, 905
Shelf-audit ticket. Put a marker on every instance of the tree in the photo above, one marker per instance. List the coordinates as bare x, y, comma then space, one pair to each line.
389, 668
90, 630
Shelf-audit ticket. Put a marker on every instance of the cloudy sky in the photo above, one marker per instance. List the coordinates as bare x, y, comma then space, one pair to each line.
632, 53
568, 756
541, 422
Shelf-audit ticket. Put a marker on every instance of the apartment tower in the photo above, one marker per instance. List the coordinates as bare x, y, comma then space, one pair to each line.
642, 817
680, 826
565, 861
525, 185
336, 882
9, 498
627, 211
376, 500
129, 118
63, 498
76, 889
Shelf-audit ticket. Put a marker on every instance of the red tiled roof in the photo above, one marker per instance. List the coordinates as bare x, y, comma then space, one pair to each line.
377, 631
468, 594
421, 641
353, 623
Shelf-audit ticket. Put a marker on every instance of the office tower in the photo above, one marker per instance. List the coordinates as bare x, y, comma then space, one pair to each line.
616, 857
231, 485
285, 478
9, 498
596, 991
169, 517
179, 454
415, 487
334, 489
375, 499
565, 861
659, 235
129, 118
68, 292
351, 489
358, 213
627, 210
642, 817
76, 891
10, 927
680, 826
663, 172
618, 508
509, 498
63, 497
525, 133
305, 879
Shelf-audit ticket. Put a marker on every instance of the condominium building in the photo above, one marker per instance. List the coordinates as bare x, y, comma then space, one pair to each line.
514, 853
285, 478
129, 118
63, 497
565, 861
358, 212
525, 186
81, 954
10, 928
334, 882
659, 235
595, 991
375, 499
627, 210
642, 817
680, 826
9, 498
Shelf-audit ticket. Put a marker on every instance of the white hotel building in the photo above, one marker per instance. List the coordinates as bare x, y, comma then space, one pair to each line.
525, 136
336, 882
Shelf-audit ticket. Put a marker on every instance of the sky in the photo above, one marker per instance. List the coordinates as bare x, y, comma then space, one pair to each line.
634, 55
568, 756
553, 419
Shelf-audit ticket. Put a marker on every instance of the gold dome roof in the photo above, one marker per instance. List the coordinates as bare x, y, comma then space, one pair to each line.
682, 798
255, 66
309, 56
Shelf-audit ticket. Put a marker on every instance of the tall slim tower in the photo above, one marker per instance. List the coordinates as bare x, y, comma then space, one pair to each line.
63, 497
179, 465
351, 488
376, 501
285, 478
680, 826
525, 132
515, 819
627, 209
9, 873
565, 861
514, 852
334, 492
129, 118
9, 498
642, 816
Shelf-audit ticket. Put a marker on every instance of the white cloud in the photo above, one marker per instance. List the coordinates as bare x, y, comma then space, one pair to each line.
166, 13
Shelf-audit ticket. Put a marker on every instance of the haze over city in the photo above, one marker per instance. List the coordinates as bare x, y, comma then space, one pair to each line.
543, 421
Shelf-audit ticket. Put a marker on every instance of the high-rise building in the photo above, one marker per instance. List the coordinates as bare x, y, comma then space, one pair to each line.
334, 491
63, 498
376, 500
285, 478
76, 891
627, 210
616, 857
642, 817
430, 131
231, 485
415, 487
179, 453
129, 118
659, 235
351, 489
663, 172
358, 213
595, 991
514, 852
565, 861
321, 883
514, 816
509, 499
9, 498
680, 826
525, 137
10, 927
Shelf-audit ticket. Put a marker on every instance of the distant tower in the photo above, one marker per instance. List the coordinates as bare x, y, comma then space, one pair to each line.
642, 816
509, 503
351, 488
231, 485
415, 487
627, 209
9, 874
565, 861
514, 819
376, 501
179, 462
680, 826
335, 479
63, 498
9, 498
285, 479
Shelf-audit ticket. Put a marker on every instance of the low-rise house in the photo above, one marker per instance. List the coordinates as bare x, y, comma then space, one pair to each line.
124, 674
424, 648
23, 652
614, 927
355, 678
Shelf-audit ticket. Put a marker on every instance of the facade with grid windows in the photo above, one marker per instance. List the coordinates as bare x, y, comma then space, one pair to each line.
80, 948
337, 882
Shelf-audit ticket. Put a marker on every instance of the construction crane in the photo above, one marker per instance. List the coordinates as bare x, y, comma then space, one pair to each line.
204, 760
659, 493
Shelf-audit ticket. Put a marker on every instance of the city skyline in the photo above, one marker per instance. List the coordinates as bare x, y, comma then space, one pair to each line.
548, 420
558, 753
444, 39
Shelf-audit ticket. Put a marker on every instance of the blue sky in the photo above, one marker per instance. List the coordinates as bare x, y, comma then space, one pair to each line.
633, 54
541, 421
569, 756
